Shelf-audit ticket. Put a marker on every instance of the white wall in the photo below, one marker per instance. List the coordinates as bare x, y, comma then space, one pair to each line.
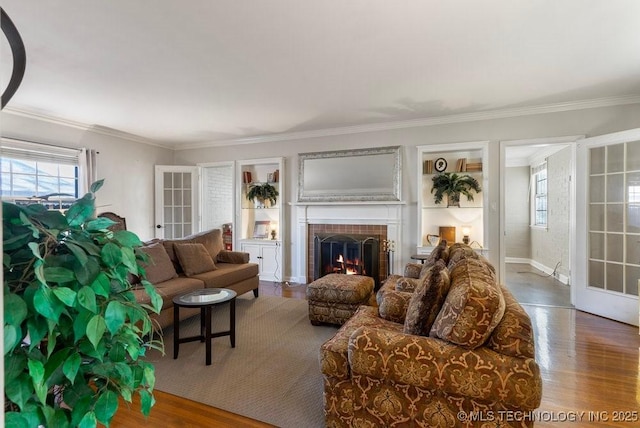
588, 122
517, 237
126, 166
550, 245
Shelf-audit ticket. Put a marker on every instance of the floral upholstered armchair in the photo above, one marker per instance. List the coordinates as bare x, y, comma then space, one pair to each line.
455, 351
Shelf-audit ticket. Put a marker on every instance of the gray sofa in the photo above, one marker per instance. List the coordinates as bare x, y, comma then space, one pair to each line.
177, 266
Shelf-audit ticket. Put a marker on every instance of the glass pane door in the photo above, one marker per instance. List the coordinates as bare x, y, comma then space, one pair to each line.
614, 218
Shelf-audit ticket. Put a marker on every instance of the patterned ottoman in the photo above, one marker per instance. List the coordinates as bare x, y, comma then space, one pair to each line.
333, 298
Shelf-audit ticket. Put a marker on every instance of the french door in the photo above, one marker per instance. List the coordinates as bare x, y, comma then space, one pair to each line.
608, 225
177, 191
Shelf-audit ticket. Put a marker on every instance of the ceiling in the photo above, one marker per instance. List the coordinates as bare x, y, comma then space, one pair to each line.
206, 72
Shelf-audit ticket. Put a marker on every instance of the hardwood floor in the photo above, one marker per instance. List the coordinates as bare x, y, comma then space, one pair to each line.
590, 371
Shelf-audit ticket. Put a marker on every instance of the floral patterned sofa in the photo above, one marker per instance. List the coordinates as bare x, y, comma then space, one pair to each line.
448, 348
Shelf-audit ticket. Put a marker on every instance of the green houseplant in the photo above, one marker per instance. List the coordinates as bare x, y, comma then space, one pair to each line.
74, 336
262, 192
453, 185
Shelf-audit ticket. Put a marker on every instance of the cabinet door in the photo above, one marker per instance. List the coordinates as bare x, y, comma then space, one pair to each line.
270, 269
254, 253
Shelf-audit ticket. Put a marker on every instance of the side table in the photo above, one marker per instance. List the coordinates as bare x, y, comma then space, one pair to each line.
204, 299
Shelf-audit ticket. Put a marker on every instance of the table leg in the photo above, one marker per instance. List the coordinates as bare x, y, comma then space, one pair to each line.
207, 329
203, 315
232, 322
176, 330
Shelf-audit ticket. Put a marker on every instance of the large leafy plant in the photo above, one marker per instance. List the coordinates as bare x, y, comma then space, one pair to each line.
74, 336
263, 192
453, 185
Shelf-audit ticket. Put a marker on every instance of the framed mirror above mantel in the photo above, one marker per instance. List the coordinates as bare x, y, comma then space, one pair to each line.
357, 175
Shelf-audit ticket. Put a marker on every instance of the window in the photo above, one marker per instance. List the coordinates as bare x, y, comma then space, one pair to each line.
32, 172
539, 211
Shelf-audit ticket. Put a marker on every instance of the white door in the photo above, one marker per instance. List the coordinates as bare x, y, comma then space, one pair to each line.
176, 201
608, 225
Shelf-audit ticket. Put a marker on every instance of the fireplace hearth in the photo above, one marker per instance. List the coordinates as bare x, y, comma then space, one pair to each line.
350, 254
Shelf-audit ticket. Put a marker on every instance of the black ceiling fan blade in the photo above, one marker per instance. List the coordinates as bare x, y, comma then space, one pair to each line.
19, 56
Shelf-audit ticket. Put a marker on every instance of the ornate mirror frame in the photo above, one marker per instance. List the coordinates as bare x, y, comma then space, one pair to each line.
358, 175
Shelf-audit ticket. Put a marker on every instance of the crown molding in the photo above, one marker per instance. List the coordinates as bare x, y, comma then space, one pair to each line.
345, 130
97, 129
430, 121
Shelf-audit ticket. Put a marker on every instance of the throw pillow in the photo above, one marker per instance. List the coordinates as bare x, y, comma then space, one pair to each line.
158, 268
473, 308
393, 306
194, 258
427, 300
211, 239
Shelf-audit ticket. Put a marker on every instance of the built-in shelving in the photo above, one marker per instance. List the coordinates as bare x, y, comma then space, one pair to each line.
260, 230
461, 158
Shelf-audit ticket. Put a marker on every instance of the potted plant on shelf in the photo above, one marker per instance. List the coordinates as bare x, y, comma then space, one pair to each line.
75, 336
263, 193
453, 185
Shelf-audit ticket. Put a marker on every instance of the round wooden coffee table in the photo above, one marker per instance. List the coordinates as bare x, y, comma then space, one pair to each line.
204, 299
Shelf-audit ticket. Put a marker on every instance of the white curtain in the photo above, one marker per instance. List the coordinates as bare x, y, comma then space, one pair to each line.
88, 170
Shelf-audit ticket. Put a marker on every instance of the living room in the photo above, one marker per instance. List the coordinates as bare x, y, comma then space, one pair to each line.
558, 101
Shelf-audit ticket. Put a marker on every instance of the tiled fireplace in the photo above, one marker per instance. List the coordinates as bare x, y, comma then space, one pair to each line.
381, 221
346, 248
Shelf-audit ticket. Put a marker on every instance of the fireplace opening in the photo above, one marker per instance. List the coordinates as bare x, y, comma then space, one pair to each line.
349, 254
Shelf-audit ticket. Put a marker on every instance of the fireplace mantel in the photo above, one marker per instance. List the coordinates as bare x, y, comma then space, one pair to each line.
360, 213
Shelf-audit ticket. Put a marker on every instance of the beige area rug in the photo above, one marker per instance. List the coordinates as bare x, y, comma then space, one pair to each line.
273, 373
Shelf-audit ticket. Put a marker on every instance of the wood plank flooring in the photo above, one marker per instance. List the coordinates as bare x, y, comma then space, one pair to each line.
590, 370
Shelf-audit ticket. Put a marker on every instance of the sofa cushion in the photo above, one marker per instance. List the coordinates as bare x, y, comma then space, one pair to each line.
514, 334
427, 300
228, 273
159, 267
412, 270
194, 258
473, 308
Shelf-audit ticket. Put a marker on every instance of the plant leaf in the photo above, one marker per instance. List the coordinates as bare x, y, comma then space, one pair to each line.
87, 299
101, 223
36, 372
101, 285
15, 309
46, 304
19, 390
37, 328
126, 238
66, 295
96, 185
77, 251
106, 406
11, 338
71, 366
88, 420
114, 316
95, 330
87, 272
58, 274
14, 420
111, 254
146, 401
156, 299
81, 210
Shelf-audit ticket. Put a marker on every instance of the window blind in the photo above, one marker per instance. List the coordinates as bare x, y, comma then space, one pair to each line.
27, 150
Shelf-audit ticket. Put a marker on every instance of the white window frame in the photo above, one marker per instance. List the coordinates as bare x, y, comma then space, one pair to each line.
538, 195
35, 152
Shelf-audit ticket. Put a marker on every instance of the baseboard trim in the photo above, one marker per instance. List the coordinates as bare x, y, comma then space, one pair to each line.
546, 269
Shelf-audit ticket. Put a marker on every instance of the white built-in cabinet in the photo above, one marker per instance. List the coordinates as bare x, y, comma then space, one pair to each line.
259, 228
461, 158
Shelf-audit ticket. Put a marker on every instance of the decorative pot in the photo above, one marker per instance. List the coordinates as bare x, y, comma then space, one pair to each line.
453, 200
